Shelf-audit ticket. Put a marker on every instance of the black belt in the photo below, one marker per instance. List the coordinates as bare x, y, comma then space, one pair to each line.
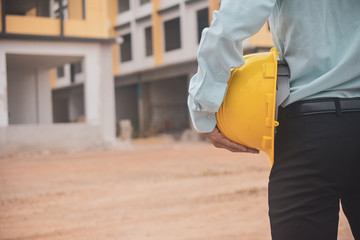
321, 106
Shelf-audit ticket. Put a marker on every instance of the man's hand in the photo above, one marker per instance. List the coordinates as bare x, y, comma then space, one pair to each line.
220, 141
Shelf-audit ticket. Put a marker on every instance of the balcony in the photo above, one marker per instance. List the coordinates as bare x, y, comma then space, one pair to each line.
54, 18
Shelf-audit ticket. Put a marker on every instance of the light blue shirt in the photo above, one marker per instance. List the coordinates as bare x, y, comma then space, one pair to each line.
320, 40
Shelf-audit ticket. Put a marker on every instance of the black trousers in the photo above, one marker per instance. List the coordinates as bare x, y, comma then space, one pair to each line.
317, 166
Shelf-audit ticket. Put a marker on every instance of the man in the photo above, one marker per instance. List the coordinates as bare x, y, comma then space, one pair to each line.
317, 145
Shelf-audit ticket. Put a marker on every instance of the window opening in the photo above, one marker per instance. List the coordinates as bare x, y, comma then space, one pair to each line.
125, 48
148, 41
123, 5
172, 34
202, 21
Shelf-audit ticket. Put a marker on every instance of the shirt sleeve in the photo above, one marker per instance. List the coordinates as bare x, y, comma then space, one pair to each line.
220, 50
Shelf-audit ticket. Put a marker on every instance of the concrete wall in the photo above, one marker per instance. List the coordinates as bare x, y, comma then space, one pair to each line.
22, 97
23, 139
29, 97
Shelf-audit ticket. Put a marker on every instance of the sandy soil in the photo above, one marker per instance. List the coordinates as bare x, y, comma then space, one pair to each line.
155, 190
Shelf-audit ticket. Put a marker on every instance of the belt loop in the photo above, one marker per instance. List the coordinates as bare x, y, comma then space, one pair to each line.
338, 107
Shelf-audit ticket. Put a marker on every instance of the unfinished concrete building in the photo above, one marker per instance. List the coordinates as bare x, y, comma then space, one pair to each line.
37, 112
157, 58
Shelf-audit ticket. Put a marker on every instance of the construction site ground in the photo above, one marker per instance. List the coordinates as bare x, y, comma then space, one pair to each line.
153, 189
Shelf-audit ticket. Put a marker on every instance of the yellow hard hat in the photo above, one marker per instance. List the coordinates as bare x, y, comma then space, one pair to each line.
247, 114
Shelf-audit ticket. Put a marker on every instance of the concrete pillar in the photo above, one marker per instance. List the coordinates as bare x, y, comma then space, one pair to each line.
107, 94
92, 91
44, 97
157, 33
184, 29
139, 88
144, 108
4, 117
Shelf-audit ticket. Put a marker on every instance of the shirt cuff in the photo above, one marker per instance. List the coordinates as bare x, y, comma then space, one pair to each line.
203, 122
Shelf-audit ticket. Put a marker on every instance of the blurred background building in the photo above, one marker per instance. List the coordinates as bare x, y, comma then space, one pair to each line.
70, 70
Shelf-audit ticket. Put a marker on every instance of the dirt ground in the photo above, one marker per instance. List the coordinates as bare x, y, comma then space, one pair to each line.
155, 190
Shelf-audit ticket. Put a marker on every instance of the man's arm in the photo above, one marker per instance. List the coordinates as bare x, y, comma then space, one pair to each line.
220, 50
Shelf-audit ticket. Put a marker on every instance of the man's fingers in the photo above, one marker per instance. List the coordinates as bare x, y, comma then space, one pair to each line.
236, 147
220, 141
251, 150
230, 144
233, 147
219, 145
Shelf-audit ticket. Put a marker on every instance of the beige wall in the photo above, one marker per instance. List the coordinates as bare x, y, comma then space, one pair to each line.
157, 33
75, 9
94, 26
32, 25
113, 12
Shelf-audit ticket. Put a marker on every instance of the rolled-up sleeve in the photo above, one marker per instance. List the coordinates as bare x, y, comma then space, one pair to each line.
220, 50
